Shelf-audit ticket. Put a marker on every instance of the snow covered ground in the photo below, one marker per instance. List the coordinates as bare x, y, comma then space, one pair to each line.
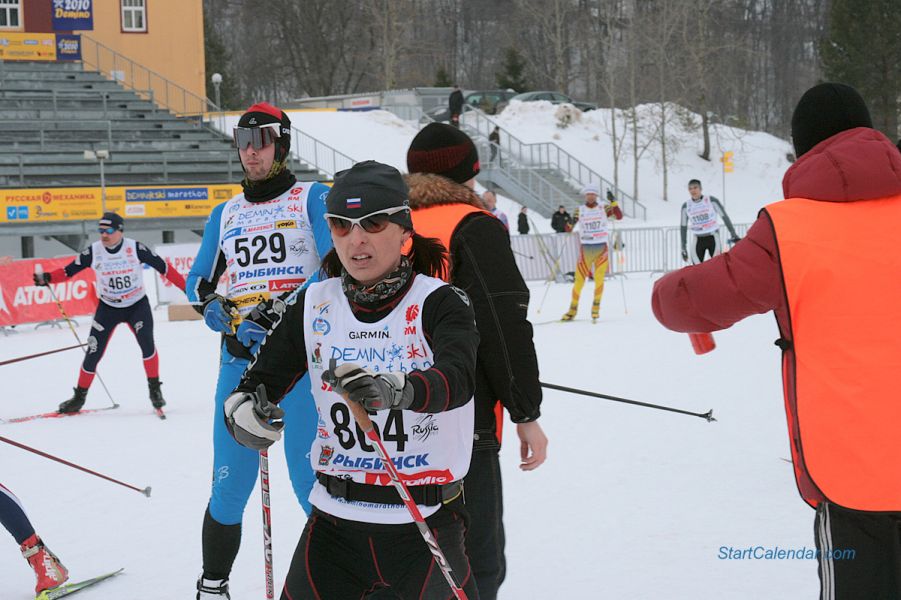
632, 503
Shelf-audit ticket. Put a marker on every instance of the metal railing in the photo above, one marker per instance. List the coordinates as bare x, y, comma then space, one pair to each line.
527, 185
319, 155
146, 83
545, 256
550, 156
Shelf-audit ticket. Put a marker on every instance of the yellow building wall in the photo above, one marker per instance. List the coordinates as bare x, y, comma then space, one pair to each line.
172, 47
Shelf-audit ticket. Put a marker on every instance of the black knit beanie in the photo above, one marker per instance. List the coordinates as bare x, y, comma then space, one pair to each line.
825, 110
443, 150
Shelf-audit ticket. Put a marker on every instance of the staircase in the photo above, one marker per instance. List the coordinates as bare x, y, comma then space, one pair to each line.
539, 176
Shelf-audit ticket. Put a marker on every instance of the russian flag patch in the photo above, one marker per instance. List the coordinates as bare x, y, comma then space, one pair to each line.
354, 202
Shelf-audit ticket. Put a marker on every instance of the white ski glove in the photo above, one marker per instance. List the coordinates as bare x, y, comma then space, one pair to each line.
248, 415
375, 391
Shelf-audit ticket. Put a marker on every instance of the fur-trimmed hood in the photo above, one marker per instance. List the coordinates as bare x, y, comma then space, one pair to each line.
427, 189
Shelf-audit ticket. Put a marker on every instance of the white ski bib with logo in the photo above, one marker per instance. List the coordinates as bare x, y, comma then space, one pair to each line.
702, 217
593, 224
120, 276
268, 246
427, 449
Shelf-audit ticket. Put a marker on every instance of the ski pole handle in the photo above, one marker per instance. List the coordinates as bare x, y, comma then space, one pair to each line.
360, 414
702, 343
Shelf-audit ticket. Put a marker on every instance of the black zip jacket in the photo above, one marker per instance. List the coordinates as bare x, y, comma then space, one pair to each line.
482, 265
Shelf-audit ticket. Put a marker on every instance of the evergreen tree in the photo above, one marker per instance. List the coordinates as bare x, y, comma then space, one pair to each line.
442, 79
217, 58
863, 49
513, 75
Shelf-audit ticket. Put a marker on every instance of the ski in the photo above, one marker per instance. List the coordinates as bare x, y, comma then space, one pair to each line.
561, 321
68, 589
58, 415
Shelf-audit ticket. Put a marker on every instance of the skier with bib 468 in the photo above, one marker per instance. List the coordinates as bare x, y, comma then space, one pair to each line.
384, 335
118, 262
269, 239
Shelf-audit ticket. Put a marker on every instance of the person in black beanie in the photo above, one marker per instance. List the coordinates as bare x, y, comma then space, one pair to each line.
824, 261
825, 110
443, 163
380, 335
269, 240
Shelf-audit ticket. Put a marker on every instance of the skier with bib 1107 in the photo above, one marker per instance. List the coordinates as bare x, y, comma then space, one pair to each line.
593, 222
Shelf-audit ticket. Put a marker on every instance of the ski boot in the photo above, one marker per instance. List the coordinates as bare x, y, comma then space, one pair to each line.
74, 404
50, 572
212, 589
156, 395
570, 314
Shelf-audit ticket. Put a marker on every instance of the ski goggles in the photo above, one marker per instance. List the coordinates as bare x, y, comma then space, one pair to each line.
372, 223
257, 137
107, 230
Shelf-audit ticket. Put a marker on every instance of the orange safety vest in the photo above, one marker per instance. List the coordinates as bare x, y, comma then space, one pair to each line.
842, 274
440, 221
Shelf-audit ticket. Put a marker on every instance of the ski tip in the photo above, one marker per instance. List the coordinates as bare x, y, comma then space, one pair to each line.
146, 491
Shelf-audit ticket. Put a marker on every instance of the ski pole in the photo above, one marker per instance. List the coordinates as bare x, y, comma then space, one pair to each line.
547, 287
707, 415
523, 254
30, 356
267, 524
39, 270
145, 491
365, 423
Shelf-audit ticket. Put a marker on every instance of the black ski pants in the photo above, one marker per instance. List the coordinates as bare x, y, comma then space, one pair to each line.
139, 318
706, 245
485, 535
337, 559
859, 553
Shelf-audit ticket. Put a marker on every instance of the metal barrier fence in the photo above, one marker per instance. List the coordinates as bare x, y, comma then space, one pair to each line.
548, 256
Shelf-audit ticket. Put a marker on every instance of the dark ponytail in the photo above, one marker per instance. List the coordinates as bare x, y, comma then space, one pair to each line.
427, 256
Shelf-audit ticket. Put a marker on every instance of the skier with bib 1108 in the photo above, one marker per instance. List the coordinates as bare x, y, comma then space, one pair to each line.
701, 214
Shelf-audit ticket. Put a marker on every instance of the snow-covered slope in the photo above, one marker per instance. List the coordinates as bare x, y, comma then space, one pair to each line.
759, 158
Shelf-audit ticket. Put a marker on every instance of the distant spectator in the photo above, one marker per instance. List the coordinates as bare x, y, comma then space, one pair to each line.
522, 222
455, 104
561, 221
495, 138
489, 199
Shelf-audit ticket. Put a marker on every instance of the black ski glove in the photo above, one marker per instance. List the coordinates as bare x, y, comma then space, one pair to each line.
248, 415
382, 391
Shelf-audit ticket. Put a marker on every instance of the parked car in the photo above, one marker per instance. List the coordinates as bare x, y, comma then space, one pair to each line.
486, 100
552, 97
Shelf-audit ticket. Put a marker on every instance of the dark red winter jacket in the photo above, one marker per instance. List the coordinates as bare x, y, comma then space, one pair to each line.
858, 164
